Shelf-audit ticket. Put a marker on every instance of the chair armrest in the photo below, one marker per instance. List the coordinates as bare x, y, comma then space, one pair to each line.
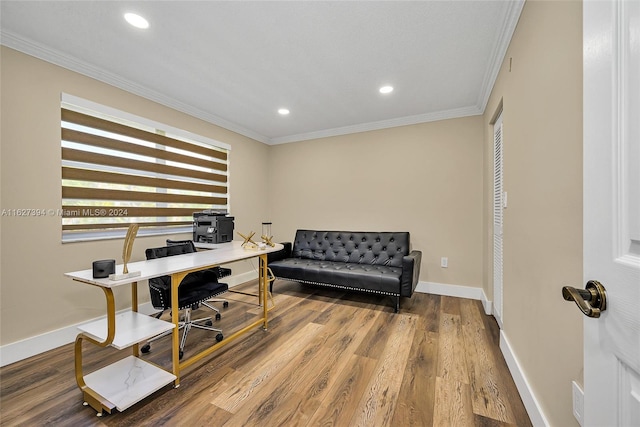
410, 273
281, 254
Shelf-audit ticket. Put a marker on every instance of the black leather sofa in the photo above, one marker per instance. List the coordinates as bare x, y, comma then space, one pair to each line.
377, 262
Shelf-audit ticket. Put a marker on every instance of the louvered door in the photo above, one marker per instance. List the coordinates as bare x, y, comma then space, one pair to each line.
498, 206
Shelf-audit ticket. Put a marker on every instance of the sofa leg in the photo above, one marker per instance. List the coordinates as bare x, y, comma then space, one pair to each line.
397, 304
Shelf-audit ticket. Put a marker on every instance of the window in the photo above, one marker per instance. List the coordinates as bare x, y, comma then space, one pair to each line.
118, 169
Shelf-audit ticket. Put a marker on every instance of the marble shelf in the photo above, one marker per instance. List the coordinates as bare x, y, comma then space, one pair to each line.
128, 381
131, 328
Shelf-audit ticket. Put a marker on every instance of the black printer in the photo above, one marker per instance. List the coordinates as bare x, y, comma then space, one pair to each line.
212, 227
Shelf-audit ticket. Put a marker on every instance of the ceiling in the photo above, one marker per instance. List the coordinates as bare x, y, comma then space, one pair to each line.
235, 63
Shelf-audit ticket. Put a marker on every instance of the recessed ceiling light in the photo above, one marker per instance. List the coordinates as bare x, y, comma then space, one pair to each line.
283, 111
136, 20
386, 89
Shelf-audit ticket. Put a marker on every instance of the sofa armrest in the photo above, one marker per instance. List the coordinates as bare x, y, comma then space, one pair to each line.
281, 254
410, 273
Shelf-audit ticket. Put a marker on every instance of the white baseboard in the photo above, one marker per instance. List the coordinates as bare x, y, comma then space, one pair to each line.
488, 306
526, 393
20, 350
459, 291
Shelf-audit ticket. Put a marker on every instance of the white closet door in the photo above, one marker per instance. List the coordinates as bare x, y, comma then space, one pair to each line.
498, 206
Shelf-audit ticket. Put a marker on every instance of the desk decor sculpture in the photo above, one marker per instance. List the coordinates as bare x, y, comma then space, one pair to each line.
267, 238
126, 254
249, 243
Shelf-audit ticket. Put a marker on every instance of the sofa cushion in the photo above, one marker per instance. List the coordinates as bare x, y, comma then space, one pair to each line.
372, 277
373, 248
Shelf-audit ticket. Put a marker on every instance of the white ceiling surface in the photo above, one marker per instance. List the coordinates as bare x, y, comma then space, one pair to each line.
234, 63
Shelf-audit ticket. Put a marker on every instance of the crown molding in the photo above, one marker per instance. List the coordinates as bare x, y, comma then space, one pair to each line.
29, 47
497, 56
382, 124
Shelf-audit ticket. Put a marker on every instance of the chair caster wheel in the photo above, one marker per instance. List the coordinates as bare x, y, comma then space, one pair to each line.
146, 348
209, 322
225, 304
181, 354
219, 337
218, 316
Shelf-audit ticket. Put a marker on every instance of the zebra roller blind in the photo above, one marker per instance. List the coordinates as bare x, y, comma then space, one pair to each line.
115, 172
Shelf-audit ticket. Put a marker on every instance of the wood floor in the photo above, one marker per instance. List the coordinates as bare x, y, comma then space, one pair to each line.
328, 358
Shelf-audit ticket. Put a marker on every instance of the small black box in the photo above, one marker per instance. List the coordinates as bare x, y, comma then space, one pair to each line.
103, 268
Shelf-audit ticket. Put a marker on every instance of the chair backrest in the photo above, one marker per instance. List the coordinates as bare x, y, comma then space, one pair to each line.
180, 242
186, 247
220, 272
160, 287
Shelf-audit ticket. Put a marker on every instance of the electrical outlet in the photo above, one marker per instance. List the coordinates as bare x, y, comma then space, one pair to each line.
444, 262
578, 402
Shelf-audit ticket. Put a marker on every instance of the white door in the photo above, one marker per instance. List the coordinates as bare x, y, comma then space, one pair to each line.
611, 31
498, 206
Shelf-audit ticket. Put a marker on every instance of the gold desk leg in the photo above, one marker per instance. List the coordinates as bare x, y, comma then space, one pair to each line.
176, 279
262, 283
91, 398
134, 308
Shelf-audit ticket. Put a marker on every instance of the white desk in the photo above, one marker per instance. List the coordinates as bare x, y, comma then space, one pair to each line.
130, 380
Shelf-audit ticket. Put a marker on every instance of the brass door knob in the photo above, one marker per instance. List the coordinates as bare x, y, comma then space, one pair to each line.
592, 300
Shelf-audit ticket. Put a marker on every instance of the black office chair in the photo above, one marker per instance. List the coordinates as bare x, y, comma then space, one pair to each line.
218, 271
196, 288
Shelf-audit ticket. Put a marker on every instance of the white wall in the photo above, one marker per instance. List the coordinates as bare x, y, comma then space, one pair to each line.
540, 88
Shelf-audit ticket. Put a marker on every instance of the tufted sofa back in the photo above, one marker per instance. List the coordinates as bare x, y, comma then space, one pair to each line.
380, 248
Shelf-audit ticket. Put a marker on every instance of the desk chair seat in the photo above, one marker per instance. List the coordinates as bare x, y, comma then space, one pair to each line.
219, 271
195, 289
